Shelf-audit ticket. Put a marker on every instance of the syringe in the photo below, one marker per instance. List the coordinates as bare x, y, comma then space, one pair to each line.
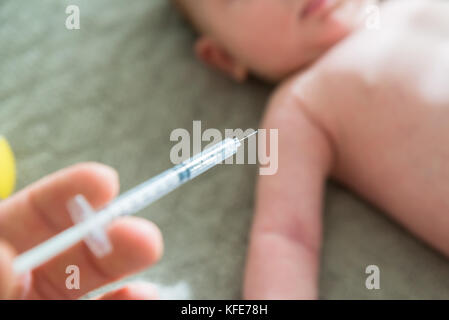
90, 225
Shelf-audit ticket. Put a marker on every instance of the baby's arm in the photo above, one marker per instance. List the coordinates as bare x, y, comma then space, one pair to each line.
283, 260
39, 212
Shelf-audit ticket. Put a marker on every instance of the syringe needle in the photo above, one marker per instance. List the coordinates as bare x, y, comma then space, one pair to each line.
129, 203
250, 135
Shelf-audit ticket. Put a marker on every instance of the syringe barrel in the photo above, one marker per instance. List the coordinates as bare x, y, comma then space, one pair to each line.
208, 159
141, 196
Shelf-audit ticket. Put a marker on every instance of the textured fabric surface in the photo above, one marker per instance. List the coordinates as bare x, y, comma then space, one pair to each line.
113, 91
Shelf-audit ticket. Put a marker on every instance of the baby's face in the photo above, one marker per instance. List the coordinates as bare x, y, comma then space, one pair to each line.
272, 38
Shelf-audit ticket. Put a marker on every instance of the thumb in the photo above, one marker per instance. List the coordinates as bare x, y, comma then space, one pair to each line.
7, 277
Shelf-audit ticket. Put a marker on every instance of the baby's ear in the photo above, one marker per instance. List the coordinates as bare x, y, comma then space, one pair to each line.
214, 55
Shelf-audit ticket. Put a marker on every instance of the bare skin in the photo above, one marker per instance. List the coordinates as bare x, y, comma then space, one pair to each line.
39, 212
374, 114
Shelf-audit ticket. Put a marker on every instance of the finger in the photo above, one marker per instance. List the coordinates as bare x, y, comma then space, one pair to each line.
7, 278
39, 211
137, 244
133, 291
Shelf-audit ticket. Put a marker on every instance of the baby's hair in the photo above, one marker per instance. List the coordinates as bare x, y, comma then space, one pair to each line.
186, 12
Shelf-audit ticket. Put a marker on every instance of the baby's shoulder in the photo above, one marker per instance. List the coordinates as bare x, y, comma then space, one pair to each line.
284, 93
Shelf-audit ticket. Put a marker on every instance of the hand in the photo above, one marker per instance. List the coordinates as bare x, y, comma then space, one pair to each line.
39, 212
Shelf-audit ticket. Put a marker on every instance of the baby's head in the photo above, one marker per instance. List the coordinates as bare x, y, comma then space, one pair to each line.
270, 38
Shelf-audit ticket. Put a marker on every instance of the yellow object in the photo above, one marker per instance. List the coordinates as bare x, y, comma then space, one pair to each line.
7, 169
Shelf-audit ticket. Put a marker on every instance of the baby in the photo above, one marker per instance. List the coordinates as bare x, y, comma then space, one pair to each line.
369, 108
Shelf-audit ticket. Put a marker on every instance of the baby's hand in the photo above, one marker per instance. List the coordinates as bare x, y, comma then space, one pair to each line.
39, 212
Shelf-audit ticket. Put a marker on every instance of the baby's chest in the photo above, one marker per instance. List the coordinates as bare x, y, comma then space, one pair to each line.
385, 102
388, 84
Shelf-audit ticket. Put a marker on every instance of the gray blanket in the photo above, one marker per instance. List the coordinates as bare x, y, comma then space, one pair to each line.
113, 91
